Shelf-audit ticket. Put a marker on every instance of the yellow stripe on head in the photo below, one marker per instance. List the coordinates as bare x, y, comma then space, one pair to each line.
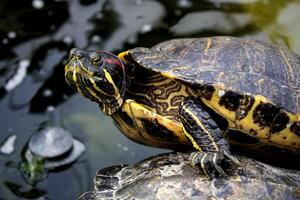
97, 88
110, 80
67, 67
84, 68
74, 77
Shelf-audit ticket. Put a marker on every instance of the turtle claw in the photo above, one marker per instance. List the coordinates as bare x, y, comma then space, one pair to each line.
217, 166
213, 164
231, 157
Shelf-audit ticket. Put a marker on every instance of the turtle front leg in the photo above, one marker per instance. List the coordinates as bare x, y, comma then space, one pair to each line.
213, 154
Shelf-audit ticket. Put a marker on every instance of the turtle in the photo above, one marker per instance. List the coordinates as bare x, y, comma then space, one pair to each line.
202, 94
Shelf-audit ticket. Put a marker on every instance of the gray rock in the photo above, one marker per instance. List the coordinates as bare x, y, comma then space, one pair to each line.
77, 151
170, 176
49, 150
51, 142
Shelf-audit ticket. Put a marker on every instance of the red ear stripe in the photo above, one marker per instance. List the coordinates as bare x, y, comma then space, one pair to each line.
116, 61
113, 61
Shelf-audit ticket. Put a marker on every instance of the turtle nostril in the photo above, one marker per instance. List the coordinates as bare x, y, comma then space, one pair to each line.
78, 56
75, 52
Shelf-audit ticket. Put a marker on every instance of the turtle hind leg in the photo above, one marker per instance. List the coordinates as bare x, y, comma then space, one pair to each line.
213, 156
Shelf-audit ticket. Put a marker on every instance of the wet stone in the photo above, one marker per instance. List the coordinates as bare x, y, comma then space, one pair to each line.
171, 176
51, 142
77, 150
47, 151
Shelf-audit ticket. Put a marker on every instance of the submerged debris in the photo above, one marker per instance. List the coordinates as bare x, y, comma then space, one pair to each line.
20, 75
184, 3
12, 35
38, 4
146, 28
8, 146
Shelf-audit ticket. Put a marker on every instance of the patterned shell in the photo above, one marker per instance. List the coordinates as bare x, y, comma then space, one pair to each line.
244, 66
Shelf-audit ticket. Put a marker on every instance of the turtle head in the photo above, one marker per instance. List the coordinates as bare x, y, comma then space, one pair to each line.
97, 75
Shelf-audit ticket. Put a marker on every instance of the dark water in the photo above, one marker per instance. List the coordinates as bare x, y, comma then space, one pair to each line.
35, 37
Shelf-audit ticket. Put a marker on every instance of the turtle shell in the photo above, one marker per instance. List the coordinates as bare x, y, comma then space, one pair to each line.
243, 66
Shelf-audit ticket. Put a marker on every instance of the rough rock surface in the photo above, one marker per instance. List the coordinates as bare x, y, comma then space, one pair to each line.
170, 176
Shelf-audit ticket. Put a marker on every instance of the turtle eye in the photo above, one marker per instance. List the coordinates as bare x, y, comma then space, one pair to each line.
97, 60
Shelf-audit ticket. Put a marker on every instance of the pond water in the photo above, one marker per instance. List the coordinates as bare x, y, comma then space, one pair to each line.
35, 38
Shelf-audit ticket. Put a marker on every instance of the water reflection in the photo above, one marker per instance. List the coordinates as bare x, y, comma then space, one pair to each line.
40, 33
24, 192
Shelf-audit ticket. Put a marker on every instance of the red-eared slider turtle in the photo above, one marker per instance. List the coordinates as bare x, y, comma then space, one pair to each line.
194, 91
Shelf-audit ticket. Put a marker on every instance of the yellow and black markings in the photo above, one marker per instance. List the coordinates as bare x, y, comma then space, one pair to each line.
192, 121
159, 99
148, 127
255, 115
